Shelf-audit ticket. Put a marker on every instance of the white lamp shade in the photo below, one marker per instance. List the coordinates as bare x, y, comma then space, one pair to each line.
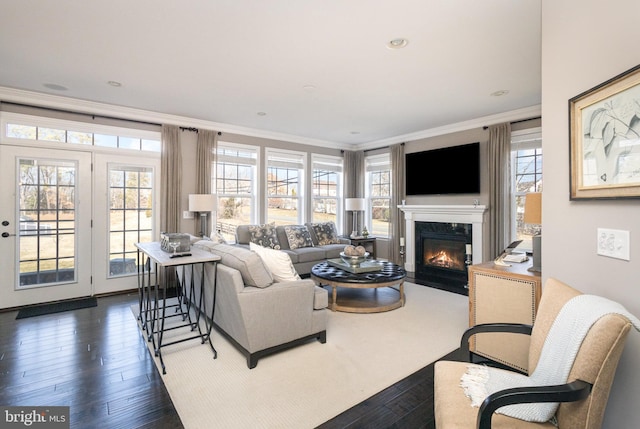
202, 202
354, 204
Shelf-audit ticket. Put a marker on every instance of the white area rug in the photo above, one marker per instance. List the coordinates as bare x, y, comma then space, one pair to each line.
307, 385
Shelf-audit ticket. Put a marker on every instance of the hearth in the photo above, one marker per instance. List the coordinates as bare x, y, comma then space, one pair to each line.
441, 255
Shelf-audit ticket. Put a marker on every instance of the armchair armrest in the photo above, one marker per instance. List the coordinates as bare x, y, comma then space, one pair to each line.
570, 392
515, 328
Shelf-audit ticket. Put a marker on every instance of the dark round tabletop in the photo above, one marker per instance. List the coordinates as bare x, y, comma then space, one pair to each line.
390, 272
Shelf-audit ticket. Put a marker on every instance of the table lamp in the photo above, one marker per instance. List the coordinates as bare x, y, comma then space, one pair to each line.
533, 215
355, 205
203, 204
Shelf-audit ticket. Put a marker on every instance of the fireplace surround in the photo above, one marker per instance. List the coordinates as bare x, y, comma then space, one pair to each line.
473, 215
441, 254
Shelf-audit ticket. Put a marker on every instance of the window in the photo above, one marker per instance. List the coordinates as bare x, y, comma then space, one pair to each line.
130, 215
236, 187
43, 129
378, 189
526, 176
327, 189
285, 186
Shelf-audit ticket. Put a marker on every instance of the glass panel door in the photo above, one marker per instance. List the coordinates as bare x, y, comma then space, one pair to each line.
45, 225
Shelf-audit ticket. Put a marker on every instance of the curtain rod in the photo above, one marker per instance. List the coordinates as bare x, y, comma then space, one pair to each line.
377, 148
518, 121
134, 121
195, 130
93, 116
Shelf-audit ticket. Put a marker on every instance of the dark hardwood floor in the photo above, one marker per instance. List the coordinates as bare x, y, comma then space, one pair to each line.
95, 361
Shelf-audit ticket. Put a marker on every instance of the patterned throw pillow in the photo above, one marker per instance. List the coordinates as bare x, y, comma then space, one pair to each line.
326, 233
298, 236
265, 235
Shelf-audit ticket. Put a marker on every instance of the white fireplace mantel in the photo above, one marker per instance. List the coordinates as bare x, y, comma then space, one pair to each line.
473, 214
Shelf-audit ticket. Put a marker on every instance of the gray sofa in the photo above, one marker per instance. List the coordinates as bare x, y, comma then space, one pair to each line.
305, 257
260, 316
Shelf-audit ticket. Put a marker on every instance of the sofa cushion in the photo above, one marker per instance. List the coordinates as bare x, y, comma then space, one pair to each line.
332, 251
325, 232
249, 263
298, 236
264, 235
311, 254
277, 262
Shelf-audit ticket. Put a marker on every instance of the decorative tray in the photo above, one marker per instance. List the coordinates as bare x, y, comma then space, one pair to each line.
364, 267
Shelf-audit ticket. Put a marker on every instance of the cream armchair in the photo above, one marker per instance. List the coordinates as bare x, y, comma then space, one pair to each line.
582, 399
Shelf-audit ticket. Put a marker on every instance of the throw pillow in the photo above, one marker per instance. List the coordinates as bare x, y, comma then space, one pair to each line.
252, 269
278, 262
326, 233
298, 236
264, 235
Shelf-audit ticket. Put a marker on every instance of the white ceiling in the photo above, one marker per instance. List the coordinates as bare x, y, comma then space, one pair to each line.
224, 61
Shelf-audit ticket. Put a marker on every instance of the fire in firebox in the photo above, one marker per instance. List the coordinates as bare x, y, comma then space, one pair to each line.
444, 260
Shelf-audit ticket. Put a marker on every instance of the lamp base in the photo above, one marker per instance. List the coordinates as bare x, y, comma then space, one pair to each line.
536, 241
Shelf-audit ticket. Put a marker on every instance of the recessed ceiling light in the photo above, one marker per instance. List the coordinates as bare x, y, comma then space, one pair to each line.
262, 113
397, 43
55, 87
114, 83
309, 87
500, 93
355, 132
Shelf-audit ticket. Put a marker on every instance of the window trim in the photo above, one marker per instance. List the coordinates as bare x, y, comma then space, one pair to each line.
376, 163
298, 159
337, 163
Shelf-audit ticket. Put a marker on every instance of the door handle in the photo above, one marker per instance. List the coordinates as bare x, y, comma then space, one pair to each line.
6, 234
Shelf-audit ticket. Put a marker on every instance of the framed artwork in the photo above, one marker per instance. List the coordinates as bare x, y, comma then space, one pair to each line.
604, 139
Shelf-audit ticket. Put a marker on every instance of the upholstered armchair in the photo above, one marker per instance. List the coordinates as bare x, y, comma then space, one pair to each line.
582, 399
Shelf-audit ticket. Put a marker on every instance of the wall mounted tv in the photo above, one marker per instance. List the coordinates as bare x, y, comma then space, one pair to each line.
449, 170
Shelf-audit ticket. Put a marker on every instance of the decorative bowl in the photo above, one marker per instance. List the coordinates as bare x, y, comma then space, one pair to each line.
354, 260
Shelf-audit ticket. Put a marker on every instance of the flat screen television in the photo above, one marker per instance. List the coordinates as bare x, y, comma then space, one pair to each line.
449, 170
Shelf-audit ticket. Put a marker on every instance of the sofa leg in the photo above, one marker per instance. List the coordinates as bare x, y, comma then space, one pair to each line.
322, 337
252, 361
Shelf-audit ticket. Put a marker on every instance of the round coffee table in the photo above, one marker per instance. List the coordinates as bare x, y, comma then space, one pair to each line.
368, 292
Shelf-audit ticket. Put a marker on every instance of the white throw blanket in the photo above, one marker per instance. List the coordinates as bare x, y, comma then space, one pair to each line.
556, 358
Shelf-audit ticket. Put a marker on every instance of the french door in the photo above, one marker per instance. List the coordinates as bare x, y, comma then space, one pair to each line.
45, 225
68, 229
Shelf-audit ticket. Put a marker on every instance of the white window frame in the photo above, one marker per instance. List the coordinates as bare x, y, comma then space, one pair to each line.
527, 139
10, 118
282, 158
253, 160
334, 164
374, 164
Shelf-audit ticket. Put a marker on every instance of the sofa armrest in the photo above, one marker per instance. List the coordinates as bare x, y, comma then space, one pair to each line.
515, 328
569, 392
277, 314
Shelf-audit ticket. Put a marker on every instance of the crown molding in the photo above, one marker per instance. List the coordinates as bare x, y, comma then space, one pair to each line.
38, 99
513, 115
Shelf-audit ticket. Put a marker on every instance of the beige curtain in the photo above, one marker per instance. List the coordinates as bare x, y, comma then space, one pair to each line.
205, 156
353, 183
397, 195
499, 188
171, 164
171, 189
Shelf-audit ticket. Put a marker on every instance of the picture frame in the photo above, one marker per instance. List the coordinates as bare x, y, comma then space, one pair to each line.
604, 139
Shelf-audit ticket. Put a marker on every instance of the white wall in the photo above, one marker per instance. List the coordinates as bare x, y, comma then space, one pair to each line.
584, 43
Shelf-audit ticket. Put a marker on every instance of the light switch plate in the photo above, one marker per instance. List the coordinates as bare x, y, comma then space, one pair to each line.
613, 243
187, 215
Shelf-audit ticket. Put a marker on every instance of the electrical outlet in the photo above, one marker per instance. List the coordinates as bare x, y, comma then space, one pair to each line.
187, 215
613, 243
